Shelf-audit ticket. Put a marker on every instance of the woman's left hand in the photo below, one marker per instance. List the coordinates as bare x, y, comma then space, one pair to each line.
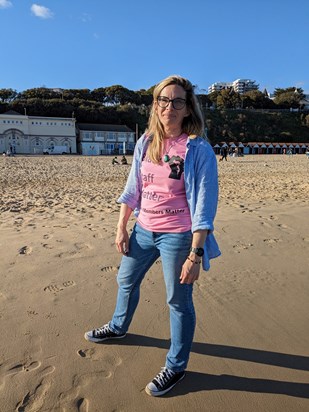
190, 271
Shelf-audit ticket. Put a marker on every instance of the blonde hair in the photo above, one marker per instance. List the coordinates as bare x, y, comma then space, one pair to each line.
192, 124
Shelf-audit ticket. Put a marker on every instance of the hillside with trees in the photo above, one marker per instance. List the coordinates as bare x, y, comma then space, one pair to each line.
229, 116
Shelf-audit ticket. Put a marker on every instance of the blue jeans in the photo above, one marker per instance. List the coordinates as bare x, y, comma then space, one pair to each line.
144, 249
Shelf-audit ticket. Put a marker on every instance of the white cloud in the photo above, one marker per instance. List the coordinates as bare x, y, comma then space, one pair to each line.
5, 4
86, 18
41, 11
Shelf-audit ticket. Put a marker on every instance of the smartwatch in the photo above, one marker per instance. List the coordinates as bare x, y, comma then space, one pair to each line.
199, 251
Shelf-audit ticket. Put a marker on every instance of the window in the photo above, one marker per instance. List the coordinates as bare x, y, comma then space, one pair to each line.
99, 136
122, 137
86, 136
111, 136
109, 148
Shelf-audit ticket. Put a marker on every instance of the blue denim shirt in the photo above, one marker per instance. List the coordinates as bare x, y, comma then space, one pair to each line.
201, 185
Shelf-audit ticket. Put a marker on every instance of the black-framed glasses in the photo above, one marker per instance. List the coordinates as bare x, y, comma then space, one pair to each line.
177, 103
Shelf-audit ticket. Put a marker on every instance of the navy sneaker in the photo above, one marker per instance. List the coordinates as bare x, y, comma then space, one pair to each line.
103, 333
164, 382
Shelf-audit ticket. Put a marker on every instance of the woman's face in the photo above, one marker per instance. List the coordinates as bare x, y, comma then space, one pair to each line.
170, 117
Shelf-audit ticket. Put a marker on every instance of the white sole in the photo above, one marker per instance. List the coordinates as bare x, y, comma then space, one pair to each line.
150, 393
96, 340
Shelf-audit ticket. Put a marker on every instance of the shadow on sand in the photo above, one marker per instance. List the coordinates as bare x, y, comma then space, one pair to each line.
196, 381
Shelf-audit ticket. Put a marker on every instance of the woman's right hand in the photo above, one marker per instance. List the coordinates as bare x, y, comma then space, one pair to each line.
122, 241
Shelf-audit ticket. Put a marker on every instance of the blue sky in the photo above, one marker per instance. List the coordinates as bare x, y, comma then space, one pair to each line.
136, 43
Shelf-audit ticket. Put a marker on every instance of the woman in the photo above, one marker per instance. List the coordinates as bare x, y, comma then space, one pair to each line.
173, 189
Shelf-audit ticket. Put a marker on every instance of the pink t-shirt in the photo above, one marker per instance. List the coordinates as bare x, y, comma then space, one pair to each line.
164, 206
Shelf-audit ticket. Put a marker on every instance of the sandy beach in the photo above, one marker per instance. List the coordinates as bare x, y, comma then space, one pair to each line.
58, 267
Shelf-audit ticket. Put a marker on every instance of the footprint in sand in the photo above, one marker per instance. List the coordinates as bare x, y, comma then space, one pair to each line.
58, 288
47, 246
25, 250
109, 268
96, 355
79, 247
281, 226
72, 399
241, 246
272, 241
23, 367
19, 221
34, 399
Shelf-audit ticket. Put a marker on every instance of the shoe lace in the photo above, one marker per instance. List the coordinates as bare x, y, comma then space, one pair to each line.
164, 376
103, 329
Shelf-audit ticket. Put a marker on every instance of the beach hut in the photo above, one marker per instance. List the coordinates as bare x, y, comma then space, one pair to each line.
240, 148
278, 148
283, 148
247, 149
263, 148
270, 148
255, 149
216, 148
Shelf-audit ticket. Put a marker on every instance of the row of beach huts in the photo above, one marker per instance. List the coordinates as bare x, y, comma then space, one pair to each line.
262, 148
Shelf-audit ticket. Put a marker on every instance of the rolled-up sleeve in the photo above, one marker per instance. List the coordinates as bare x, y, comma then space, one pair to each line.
132, 192
206, 189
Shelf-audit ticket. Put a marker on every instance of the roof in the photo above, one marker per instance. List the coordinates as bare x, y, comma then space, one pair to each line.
104, 127
12, 113
294, 144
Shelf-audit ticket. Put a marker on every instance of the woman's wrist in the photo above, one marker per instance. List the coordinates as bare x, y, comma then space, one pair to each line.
195, 260
122, 225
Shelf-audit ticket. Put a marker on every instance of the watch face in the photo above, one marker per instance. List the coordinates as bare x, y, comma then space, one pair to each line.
198, 251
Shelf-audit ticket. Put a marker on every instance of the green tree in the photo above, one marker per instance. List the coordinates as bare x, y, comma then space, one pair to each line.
99, 95
70, 94
120, 95
145, 97
7, 95
256, 99
228, 99
289, 97
38, 93
213, 98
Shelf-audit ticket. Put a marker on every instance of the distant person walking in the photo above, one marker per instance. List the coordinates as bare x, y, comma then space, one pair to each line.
224, 153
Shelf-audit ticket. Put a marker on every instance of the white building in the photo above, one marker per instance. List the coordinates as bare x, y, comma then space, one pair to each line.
22, 134
240, 86
244, 85
216, 87
104, 139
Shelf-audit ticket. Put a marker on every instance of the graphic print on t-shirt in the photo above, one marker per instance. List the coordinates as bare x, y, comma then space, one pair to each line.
176, 164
